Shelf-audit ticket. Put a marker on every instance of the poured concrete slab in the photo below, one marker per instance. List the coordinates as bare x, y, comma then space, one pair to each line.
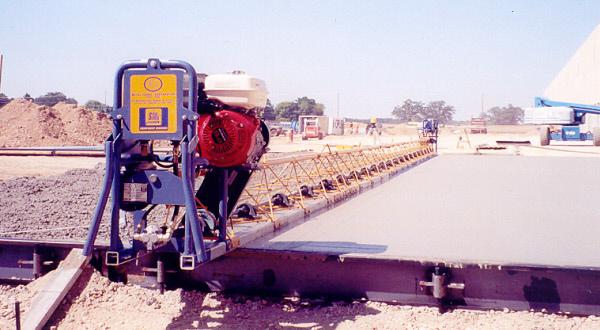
461, 208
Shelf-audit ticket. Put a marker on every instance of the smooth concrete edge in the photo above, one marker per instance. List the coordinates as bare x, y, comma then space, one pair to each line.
289, 218
458, 263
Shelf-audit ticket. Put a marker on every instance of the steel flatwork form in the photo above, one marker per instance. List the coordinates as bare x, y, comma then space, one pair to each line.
471, 231
481, 232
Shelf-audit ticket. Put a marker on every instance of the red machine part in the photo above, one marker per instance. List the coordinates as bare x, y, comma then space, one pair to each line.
227, 138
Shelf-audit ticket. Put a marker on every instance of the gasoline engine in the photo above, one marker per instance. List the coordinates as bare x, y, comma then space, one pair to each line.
212, 126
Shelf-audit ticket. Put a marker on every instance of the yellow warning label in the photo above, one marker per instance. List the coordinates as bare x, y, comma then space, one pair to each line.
153, 103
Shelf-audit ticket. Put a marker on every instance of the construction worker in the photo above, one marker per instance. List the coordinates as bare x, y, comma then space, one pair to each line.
372, 125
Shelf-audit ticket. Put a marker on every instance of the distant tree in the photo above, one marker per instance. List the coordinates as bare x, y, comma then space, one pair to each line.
286, 110
269, 112
508, 115
301, 106
28, 97
440, 110
307, 106
409, 111
416, 111
51, 98
97, 106
4, 100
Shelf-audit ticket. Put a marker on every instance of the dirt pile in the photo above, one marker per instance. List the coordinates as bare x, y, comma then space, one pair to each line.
26, 124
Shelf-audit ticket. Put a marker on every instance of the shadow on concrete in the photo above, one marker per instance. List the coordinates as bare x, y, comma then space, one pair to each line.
329, 248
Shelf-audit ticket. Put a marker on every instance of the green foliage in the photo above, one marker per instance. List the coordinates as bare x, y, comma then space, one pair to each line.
52, 98
409, 111
508, 115
269, 111
301, 106
440, 110
416, 111
97, 106
286, 111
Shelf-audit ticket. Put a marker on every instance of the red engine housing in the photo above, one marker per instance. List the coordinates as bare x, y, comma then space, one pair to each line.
227, 138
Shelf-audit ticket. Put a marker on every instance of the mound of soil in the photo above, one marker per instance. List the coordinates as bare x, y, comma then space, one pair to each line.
26, 124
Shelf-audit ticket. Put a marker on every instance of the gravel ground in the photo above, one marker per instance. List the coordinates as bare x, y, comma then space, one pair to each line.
96, 303
54, 207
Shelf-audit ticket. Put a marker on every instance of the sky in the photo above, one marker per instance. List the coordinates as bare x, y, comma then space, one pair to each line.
360, 58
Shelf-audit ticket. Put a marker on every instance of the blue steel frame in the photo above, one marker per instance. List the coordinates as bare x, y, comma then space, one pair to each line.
194, 249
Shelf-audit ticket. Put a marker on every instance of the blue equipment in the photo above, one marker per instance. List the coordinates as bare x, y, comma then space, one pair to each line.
164, 101
570, 131
429, 129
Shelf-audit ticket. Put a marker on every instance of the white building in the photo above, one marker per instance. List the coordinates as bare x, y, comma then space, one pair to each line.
579, 79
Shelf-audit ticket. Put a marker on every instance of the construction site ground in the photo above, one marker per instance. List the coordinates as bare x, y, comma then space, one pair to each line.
39, 193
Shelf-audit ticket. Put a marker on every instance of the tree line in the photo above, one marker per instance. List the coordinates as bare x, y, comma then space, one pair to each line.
507, 115
290, 110
53, 98
287, 110
417, 111
411, 110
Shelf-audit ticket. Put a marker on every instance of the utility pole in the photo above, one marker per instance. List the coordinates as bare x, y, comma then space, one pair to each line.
482, 111
1, 60
338, 105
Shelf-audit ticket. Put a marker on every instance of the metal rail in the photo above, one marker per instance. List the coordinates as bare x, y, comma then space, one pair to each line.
65, 151
417, 282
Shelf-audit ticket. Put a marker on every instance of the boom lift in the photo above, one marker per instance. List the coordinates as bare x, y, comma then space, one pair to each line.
566, 116
216, 138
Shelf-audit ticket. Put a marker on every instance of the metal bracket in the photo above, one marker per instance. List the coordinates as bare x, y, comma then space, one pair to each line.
187, 262
438, 286
112, 258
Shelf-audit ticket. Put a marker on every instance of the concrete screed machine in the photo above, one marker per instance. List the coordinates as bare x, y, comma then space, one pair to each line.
212, 125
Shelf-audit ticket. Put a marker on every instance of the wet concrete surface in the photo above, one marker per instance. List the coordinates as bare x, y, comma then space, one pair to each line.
465, 208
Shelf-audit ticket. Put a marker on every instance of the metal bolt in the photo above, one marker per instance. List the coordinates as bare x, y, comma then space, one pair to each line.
119, 117
184, 117
195, 117
153, 63
153, 178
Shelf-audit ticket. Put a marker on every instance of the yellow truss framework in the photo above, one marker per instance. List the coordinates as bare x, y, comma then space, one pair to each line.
330, 174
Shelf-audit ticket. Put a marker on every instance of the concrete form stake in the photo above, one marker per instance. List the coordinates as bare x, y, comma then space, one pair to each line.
17, 315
